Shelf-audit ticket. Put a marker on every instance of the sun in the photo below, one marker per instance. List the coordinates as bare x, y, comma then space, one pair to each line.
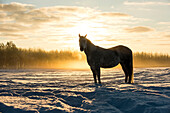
82, 28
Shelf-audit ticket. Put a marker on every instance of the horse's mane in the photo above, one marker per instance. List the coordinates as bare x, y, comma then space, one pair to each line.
89, 42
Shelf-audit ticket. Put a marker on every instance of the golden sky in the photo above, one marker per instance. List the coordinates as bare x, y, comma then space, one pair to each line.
141, 25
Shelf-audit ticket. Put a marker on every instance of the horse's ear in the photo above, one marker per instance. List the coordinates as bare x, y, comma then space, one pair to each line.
79, 35
85, 35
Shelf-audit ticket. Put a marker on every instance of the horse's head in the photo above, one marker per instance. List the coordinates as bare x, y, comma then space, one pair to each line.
82, 42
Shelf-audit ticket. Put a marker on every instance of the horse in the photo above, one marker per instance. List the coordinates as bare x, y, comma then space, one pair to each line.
107, 58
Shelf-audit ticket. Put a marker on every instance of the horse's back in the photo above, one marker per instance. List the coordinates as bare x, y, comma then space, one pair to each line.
123, 51
120, 47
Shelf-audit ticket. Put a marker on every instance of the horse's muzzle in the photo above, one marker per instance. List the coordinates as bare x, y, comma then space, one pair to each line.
81, 49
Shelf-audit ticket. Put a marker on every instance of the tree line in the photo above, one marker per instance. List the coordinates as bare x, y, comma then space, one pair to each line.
14, 57
144, 59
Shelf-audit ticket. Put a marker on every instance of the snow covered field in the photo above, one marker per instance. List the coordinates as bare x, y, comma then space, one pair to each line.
51, 90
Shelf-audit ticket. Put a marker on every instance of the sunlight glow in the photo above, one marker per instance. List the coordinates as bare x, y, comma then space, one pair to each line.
82, 28
95, 31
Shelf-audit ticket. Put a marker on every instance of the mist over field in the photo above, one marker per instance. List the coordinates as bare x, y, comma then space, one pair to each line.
18, 58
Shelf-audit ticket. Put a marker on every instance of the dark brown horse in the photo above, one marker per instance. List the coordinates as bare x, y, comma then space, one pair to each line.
106, 58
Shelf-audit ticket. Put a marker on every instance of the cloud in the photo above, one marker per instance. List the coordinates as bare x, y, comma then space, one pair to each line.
139, 29
163, 44
15, 7
112, 14
112, 39
145, 3
28, 14
8, 30
168, 36
68, 9
12, 27
15, 27
16, 17
13, 36
112, 19
4, 17
35, 16
108, 15
164, 23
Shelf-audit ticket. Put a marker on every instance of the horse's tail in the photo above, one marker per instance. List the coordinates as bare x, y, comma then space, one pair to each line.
131, 75
128, 68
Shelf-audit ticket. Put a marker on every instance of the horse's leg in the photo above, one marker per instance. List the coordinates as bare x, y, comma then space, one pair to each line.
94, 75
130, 79
98, 74
130, 71
125, 71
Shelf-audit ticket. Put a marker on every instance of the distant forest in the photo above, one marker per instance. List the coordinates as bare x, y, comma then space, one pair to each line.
12, 57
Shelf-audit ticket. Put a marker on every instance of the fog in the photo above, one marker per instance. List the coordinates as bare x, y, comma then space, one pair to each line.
12, 57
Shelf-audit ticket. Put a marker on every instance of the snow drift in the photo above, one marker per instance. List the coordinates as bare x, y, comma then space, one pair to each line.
74, 91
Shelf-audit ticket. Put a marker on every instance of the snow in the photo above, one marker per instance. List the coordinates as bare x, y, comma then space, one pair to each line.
52, 90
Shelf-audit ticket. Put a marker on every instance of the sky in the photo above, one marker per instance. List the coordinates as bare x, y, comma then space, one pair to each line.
142, 25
